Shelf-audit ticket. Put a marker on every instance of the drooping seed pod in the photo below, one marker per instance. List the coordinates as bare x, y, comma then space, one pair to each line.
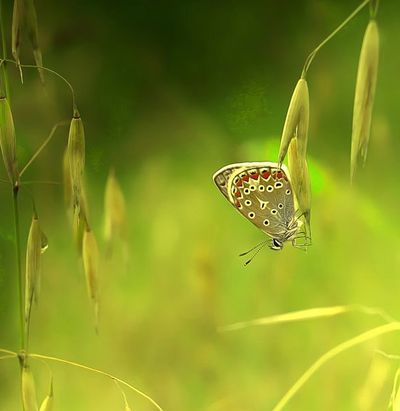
115, 221
32, 27
300, 179
16, 29
8, 141
76, 155
91, 262
364, 95
296, 124
48, 402
33, 265
91, 266
28, 390
78, 227
67, 181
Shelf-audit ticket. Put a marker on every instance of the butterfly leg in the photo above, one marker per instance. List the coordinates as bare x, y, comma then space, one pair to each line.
300, 246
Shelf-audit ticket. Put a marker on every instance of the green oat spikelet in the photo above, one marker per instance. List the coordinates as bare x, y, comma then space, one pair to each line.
76, 155
8, 142
77, 225
67, 181
48, 402
115, 221
28, 390
91, 266
32, 28
296, 124
79, 222
300, 179
364, 95
16, 32
33, 266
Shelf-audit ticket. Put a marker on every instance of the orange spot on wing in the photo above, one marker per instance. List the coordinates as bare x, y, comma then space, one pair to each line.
237, 194
246, 178
239, 184
254, 176
279, 175
265, 175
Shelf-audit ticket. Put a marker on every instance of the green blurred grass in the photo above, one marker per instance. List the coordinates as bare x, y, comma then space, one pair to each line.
169, 93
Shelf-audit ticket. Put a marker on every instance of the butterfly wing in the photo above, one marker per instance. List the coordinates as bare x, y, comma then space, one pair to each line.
262, 193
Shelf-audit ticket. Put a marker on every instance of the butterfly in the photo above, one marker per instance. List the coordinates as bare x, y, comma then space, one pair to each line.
263, 194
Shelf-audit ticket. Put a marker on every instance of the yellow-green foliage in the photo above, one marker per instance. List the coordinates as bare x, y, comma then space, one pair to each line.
8, 141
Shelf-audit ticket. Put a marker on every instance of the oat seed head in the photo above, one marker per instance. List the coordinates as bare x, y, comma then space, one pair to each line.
79, 219
33, 265
296, 123
8, 141
48, 402
76, 155
300, 179
32, 27
16, 29
364, 95
91, 262
28, 390
67, 181
115, 221
91, 266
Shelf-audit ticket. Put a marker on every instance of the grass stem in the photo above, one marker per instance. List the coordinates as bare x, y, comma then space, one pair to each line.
4, 46
18, 258
310, 58
85, 367
53, 130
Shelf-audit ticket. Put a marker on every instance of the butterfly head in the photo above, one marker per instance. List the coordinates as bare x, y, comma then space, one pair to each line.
276, 244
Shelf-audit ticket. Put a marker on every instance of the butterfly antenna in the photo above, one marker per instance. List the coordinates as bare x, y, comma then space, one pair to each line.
251, 249
251, 259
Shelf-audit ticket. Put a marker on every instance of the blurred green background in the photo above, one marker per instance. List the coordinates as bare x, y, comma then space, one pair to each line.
169, 92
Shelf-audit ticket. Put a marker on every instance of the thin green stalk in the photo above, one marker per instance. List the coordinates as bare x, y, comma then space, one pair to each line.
373, 10
19, 270
58, 183
4, 357
4, 45
74, 106
310, 58
8, 352
359, 339
106, 374
53, 130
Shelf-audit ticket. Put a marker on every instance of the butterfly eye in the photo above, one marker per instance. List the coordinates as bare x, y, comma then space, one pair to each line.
252, 188
266, 222
278, 184
248, 203
270, 188
251, 215
276, 244
288, 192
280, 205
273, 211
246, 191
261, 187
